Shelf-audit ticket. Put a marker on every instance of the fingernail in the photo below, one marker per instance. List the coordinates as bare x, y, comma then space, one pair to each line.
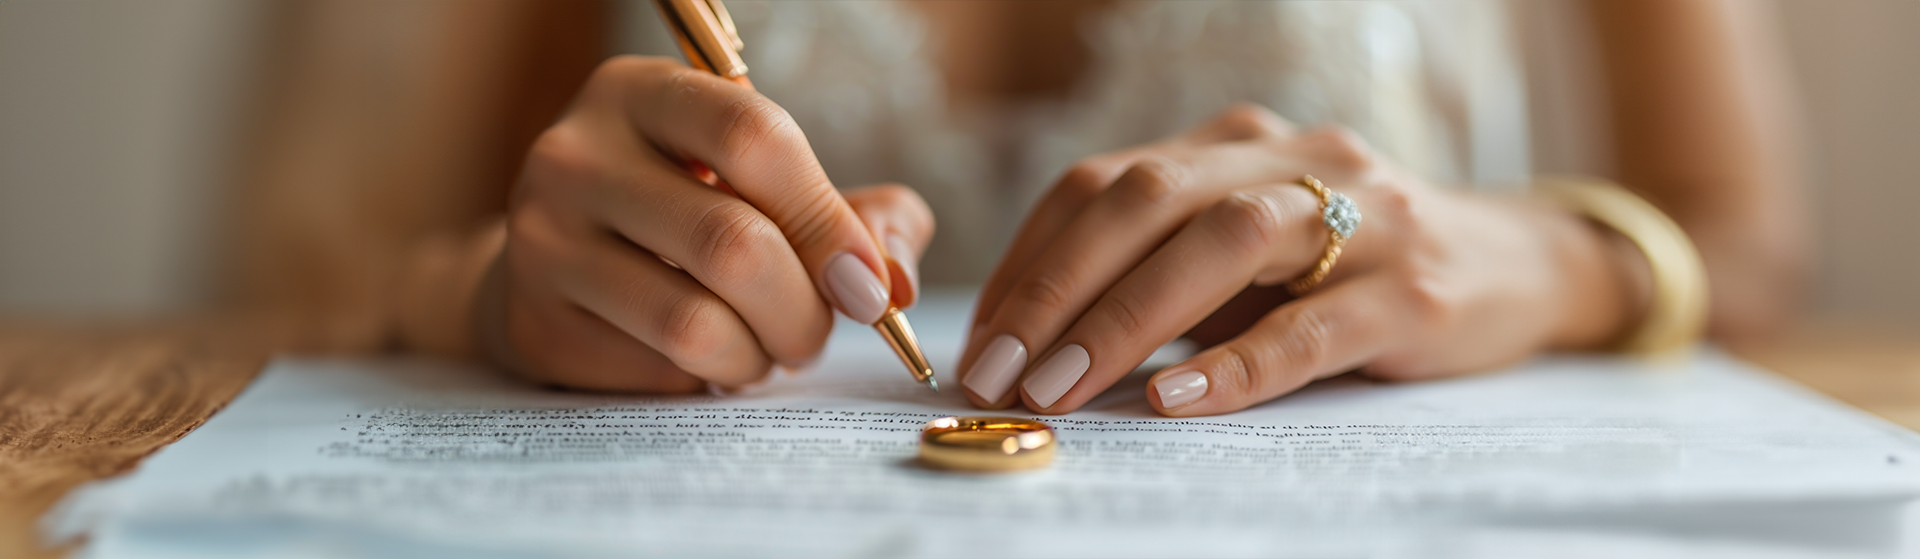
902, 252
1180, 389
1053, 378
862, 297
996, 368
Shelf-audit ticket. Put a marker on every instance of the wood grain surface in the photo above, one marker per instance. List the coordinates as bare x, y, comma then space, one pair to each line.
79, 403
1875, 368
84, 403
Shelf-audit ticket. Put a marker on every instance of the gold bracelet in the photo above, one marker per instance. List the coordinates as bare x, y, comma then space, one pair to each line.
1678, 314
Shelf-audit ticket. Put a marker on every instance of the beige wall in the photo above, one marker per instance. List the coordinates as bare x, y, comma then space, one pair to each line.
112, 129
114, 120
1858, 65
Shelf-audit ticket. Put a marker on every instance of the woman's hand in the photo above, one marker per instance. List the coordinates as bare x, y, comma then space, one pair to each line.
627, 266
1132, 249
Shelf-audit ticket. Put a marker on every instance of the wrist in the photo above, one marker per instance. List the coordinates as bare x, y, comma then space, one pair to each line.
1676, 294
1606, 284
436, 308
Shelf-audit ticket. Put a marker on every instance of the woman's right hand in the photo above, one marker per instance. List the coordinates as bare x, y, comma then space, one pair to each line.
625, 269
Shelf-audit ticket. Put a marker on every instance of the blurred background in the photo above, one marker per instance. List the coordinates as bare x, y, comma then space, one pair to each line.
129, 131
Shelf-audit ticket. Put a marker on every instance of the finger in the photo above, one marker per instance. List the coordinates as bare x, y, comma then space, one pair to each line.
1089, 177
558, 343
753, 145
1085, 181
667, 310
1211, 260
653, 303
1240, 122
1110, 237
904, 224
726, 244
1071, 194
1322, 335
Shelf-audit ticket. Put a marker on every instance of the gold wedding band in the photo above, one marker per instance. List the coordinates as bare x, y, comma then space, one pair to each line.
986, 444
1342, 219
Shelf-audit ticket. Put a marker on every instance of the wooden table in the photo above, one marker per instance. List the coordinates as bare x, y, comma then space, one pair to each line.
83, 403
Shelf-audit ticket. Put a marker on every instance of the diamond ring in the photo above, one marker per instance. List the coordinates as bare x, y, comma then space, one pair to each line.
1342, 219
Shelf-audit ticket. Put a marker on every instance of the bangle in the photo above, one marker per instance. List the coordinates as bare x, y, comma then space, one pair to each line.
1678, 313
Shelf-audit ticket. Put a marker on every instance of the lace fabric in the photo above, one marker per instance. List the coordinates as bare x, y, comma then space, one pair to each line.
1434, 86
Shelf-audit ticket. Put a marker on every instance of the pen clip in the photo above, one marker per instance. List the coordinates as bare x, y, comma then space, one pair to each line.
726, 24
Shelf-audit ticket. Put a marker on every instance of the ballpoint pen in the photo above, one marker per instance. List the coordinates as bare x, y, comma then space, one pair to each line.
707, 37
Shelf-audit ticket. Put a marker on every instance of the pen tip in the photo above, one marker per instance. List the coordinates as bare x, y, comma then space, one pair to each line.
934, 384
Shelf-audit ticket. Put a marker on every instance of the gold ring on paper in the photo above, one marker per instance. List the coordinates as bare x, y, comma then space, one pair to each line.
1342, 219
986, 444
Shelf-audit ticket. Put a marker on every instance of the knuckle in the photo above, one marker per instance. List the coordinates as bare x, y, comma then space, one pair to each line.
524, 225
1339, 148
1395, 211
1427, 298
1046, 293
1085, 179
693, 330
1251, 220
1245, 121
561, 156
1308, 337
1127, 314
534, 245
1395, 204
734, 242
1236, 371
1152, 182
752, 123
815, 217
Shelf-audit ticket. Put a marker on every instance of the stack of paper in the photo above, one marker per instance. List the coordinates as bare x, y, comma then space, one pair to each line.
1561, 457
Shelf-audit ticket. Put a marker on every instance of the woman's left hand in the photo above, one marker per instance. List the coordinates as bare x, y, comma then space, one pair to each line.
1133, 249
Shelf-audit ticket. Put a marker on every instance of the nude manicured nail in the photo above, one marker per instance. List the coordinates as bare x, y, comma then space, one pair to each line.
996, 368
1059, 373
902, 252
862, 296
1180, 389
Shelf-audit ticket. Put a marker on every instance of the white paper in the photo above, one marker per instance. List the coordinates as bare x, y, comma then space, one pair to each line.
1561, 457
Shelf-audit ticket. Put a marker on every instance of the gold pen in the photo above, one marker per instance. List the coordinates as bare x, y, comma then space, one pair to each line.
706, 35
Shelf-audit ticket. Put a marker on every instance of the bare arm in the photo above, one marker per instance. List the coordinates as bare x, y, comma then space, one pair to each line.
1702, 129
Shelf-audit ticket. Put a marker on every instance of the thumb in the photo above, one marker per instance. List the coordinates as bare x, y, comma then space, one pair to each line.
900, 219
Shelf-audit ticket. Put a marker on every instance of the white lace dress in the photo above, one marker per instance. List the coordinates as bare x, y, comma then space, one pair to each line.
1435, 85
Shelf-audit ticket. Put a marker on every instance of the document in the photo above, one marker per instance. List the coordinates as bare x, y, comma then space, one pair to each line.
1560, 457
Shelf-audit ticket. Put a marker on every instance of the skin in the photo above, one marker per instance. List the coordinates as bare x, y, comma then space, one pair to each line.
1135, 248
621, 269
